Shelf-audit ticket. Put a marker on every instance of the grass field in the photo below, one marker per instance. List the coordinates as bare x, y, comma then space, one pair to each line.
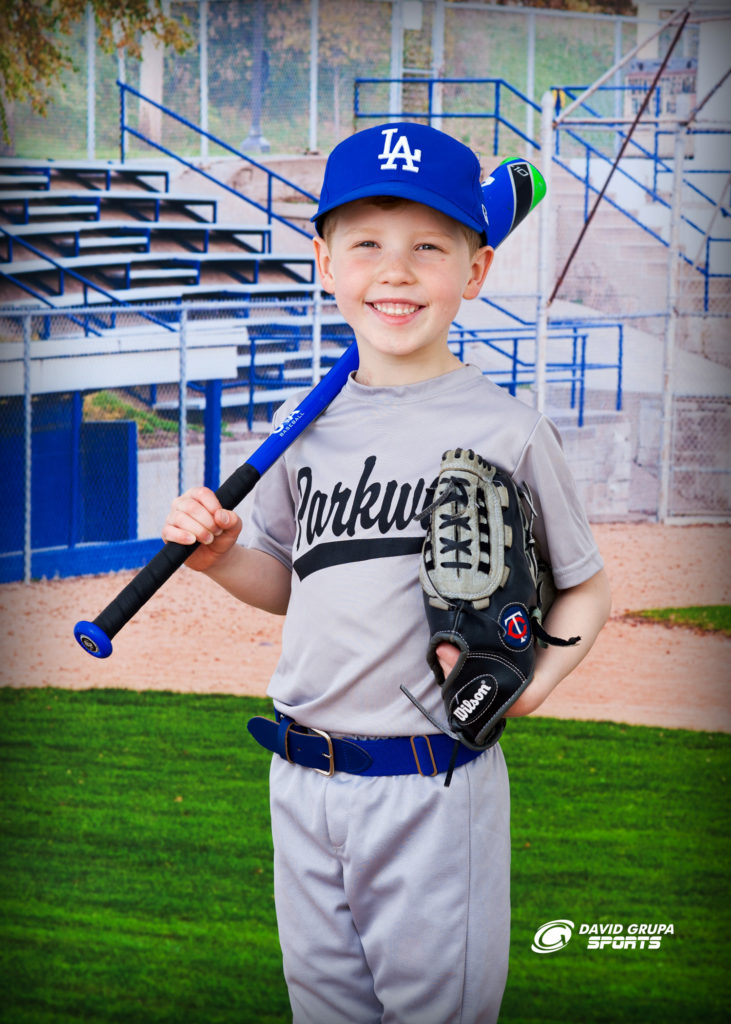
713, 618
136, 865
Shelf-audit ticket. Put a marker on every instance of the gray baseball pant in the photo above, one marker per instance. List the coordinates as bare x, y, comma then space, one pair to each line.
392, 894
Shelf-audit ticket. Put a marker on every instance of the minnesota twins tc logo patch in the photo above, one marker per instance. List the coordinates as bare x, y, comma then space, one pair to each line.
515, 624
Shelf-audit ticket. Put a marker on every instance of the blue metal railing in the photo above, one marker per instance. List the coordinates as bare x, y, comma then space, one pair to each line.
85, 283
493, 109
659, 164
498, 87
520, 371
508, 342
126, 129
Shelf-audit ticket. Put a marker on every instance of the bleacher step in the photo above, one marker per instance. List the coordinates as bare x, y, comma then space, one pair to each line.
24, 179
161, 273
61, 210
111, 241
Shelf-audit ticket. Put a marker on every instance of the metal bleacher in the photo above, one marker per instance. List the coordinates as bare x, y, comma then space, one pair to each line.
61, 243
70, 237
104, 236
122, 270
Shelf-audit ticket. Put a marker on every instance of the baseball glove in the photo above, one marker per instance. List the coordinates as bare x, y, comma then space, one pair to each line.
484, 592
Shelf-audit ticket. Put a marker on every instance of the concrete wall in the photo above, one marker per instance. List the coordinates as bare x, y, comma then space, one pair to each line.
158, 479
600, 457
599, 454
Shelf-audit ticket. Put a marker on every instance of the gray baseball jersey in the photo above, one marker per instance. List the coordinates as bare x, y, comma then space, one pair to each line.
340, 509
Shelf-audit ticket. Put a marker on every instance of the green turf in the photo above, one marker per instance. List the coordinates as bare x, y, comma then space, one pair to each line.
619, 824
135, 866
714, 618
136, 861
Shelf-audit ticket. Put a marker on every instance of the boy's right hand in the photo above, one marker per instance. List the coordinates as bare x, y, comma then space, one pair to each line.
197, 515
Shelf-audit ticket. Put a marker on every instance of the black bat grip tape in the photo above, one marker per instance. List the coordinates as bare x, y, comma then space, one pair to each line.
95, 637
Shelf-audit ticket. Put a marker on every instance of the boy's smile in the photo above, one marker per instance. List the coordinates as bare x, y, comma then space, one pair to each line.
399, 273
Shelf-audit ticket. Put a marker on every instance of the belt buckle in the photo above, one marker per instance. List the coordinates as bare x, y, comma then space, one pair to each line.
330, 755
431, 755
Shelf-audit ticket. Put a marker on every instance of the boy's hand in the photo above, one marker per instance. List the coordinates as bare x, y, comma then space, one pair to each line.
197, 515
447, 655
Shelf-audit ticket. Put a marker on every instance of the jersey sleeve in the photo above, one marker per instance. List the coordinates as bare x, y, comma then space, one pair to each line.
562, 528
270, 525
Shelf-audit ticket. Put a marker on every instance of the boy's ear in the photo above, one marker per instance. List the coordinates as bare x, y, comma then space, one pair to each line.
481, 263
323, 261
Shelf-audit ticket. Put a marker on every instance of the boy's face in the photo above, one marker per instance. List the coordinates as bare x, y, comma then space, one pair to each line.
399, 275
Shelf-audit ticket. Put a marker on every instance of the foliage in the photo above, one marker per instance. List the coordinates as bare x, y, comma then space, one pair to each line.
34, 41
136, 874
590, 6
104, 405
710, 618
343, 41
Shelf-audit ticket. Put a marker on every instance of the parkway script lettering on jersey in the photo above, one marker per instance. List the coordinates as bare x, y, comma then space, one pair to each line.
332, 524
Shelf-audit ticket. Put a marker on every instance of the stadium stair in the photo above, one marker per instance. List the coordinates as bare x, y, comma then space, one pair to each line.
624, 270
104, 235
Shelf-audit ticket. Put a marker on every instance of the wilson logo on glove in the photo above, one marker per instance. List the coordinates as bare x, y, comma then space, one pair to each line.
479, 701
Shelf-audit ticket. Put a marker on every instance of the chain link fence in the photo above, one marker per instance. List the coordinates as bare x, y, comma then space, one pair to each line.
105, 417
247, 73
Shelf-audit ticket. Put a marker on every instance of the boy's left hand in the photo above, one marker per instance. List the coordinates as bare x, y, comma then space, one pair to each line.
586, 605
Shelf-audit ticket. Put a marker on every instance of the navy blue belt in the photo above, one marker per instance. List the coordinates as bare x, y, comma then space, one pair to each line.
392, 755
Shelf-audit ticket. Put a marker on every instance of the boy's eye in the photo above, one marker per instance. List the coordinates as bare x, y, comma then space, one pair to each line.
427, 246
365, 244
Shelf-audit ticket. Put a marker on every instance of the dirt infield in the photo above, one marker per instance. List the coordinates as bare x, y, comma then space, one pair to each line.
194, 637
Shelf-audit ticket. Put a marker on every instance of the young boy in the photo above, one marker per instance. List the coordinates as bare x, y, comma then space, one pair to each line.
392, 891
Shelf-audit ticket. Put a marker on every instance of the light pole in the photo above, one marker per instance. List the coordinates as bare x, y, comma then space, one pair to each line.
255, 140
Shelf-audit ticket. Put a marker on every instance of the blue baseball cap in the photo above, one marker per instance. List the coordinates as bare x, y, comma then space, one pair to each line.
410, 161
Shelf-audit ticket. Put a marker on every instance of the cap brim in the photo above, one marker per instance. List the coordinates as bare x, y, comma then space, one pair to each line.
403, 190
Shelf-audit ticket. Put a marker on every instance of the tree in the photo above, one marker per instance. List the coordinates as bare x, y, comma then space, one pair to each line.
34, 41
588, 6
346, 40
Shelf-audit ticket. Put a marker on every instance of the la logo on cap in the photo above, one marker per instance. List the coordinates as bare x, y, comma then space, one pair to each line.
401, 151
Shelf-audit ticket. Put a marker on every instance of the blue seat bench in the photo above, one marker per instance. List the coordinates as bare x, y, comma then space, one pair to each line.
19, 205
42, 171
71, 237
243, 267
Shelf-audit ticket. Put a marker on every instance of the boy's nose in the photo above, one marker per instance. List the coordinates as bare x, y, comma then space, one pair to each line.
396, 268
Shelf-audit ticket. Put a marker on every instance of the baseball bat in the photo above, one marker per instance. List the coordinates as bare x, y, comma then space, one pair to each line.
513, 189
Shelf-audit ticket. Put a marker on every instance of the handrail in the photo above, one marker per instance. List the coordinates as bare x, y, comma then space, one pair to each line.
577, 331
499, 85
426, 79
661, 164
66, 270
271, 175
589, 188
